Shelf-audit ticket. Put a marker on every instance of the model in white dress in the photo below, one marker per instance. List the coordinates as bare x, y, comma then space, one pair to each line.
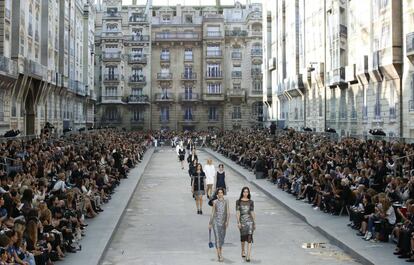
210, 172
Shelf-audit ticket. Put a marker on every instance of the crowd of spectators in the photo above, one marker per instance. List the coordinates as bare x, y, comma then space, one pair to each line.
49, 186
372, 181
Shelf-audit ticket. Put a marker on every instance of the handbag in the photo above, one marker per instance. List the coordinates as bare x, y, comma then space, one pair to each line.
210, 244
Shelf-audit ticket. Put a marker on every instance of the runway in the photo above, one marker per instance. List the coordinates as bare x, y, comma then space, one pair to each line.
161, 227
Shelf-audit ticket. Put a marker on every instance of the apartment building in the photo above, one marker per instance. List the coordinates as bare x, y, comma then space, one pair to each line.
340, 64
46, 61
202, 67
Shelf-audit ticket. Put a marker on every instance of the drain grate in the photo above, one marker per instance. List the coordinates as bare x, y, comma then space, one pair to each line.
314, 245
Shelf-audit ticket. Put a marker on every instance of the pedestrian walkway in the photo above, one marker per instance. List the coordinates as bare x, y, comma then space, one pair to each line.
161, 226
333, 227
100, 229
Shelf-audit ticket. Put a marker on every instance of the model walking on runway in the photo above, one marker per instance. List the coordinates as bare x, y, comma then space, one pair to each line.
221, 179
181, 153
199, 187
210, 171
245, 221
219, 221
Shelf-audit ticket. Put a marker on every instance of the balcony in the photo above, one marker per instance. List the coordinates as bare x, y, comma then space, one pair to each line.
137, 99
256, 93
138, 19
188, 119
108, 121
36, 69
213, 35
112, 15
189, 97
214, 75
111, 100
336, 77
111, 56
256, 33
137, 59
236, 74
8, 67
213, 118
189, 76
236, 55
111, 34
177, 36
411, 106
236, 94
293, 86
164, 97
109, 78
137, 79
164, 76
236, 33
410, 46
137, 120
164, 119
214, 54
136, 38
79, 88
213, 96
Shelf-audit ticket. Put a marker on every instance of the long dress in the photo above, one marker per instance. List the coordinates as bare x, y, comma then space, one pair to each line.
246, 220
218, 221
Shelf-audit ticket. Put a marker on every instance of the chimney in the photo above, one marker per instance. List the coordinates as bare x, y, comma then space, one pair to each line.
218, 3
134, 2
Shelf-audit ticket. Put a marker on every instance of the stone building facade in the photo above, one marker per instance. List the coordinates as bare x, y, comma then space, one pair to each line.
46, 64
202, 66
340, 64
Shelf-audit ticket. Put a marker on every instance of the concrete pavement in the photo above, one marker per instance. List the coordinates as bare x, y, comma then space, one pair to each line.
160, 225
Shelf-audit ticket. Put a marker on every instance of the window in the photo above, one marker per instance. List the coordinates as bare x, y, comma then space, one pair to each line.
212, 113
136, 52
111, 73
214, 70
213, 31
111, 91
165, 54
2, 93
165, 113
343, 105
112, 27
258, 85
236, 112
112, 114
188, 91
136, 91
214, 88
188, 19
137, 115
136, 74
188, 113
166, 19
333, 104
236, 86
188, 54
377, 109
188, 72
213, 50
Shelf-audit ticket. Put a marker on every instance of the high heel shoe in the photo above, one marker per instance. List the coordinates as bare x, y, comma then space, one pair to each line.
247, 259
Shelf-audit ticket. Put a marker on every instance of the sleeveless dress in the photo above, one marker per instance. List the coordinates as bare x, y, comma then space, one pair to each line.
221, 183
218, 221
246, 219
199, 180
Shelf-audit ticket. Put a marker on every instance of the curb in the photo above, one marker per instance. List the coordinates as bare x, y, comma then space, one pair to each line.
146, 160
349, 250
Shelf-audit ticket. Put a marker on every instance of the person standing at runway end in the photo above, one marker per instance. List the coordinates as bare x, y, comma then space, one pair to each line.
245, 221
219, 221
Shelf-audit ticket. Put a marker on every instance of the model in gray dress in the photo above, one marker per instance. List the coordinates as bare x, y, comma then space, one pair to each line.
246, 220
219, 219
